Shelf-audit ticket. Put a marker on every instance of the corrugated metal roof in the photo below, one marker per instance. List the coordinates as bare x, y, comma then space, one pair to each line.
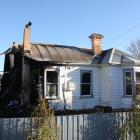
66, 54
59, 53
70, 54
120, 57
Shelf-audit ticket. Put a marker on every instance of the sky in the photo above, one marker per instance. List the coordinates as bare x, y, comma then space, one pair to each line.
70, 22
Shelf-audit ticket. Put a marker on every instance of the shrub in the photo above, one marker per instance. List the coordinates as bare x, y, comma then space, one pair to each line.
44, 122
132, 122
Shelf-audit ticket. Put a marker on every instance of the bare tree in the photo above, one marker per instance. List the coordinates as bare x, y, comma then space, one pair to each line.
134, 48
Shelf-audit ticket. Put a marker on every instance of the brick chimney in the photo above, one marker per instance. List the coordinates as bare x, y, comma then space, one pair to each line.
27, 38
96, 43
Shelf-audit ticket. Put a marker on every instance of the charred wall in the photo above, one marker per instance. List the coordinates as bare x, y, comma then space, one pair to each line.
11, 80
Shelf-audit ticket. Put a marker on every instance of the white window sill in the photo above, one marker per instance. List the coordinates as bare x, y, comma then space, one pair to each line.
86, 96
52, 98
127, 96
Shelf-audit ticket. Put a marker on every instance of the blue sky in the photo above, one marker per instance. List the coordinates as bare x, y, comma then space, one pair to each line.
70, 22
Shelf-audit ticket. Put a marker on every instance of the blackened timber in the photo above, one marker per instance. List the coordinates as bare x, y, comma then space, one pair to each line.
26, 88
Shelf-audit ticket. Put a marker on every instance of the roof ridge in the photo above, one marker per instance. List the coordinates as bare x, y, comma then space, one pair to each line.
57, 45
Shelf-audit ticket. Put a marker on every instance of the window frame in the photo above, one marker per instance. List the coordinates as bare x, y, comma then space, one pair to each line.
136, 83
132, 81
91, 83
45, 84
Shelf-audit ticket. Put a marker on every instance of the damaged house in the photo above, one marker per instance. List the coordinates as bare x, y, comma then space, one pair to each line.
69, 77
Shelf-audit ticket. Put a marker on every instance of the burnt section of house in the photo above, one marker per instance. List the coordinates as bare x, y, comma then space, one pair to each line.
25, 64
11, 80
22, 82
23, 78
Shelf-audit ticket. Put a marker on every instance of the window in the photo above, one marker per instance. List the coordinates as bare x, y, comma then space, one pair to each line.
86, 83
51, 87
128, 82
138, 83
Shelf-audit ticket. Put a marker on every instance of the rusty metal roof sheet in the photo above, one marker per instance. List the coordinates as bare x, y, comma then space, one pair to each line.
59, 53
69, 54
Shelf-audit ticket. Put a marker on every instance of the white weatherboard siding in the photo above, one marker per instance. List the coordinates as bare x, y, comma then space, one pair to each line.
116, 89
112, 88
118, 98
107, 89
74, 100
105, 85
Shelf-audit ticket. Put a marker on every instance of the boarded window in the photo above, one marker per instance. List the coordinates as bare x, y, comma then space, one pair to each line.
52, 83
86, 82
128, 82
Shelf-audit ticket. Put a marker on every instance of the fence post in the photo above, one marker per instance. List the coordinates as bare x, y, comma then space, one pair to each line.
1, 128
61, 128
77, 127
72, 127
67, 127
83, 127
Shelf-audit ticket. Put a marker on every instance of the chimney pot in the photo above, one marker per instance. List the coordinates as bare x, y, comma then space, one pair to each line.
96, 43
29, 24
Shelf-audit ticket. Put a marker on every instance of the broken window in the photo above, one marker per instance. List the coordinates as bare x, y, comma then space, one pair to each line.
128, 82
86, 82
51, 83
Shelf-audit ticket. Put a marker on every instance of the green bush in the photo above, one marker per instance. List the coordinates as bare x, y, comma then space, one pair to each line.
132, 122
44, 122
